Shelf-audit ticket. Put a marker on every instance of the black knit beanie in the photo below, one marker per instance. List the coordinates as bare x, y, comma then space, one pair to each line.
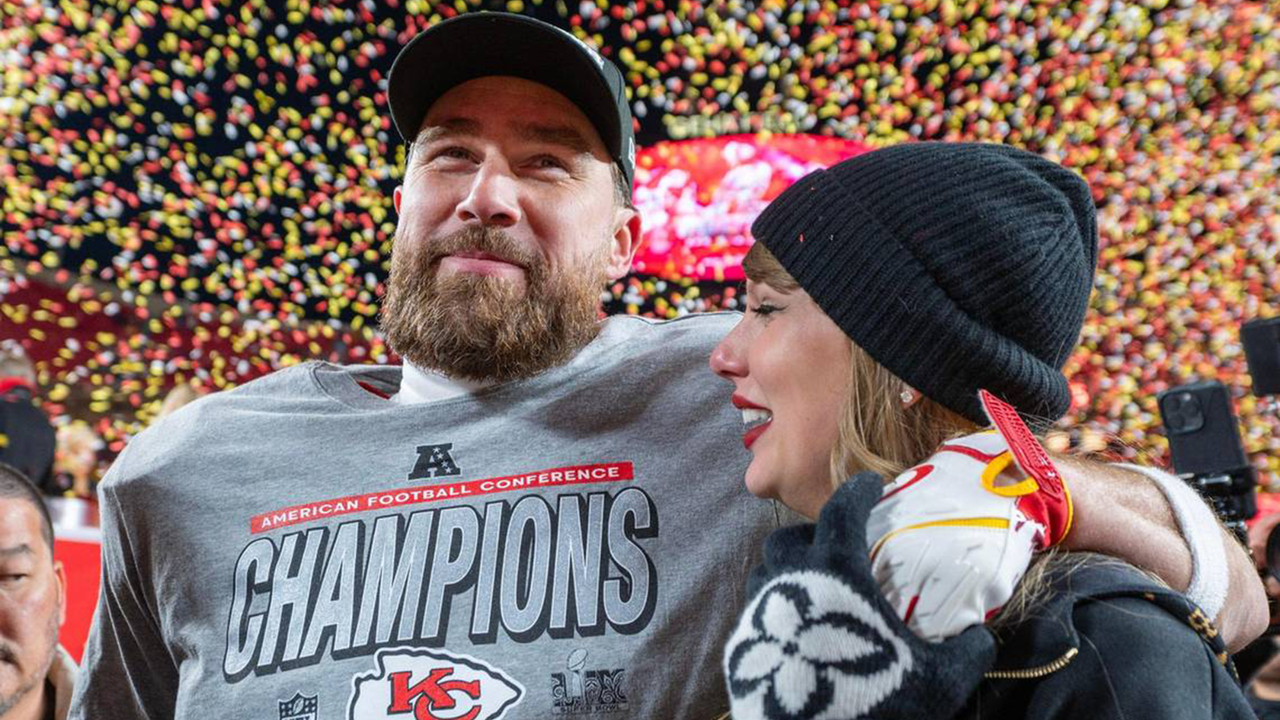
957, 266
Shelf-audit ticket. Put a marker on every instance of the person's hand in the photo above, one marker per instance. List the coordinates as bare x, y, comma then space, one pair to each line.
953, 535
819, 640
1260, 529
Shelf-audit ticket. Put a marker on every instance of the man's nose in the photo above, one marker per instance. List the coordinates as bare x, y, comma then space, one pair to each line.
492, 199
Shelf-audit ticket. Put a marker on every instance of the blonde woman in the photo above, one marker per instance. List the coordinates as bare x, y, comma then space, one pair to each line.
898, 303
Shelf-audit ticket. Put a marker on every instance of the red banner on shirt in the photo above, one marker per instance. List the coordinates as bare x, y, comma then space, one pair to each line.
575, 475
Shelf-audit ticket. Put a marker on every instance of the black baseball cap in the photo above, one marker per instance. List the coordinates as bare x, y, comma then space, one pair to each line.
484, 44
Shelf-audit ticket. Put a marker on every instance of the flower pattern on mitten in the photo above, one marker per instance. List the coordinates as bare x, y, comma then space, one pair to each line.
812, 643
818, 640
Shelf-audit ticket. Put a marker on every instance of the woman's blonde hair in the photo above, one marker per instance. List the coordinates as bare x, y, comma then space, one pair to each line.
876, 433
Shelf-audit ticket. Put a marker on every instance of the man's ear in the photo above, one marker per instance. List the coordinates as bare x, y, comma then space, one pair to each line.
60, 576
395, 199
626, 240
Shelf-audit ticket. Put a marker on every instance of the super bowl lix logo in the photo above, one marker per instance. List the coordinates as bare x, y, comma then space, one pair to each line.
425, 684
587, 691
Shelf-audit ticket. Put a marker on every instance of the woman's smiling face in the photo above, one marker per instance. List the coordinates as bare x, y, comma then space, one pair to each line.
789, 364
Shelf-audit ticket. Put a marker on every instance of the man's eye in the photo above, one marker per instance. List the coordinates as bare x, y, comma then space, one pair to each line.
452, 153
765, 308
548, 162
11, 577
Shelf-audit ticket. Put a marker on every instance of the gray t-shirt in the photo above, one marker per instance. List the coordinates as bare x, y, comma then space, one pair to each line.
301, 547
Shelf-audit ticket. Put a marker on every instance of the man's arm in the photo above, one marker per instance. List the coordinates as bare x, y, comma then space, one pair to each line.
127, 671
1121, 512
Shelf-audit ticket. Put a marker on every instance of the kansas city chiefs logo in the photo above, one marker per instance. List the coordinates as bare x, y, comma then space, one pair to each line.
421, 684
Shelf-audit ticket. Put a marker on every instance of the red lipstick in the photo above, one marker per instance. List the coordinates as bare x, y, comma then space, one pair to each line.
749, 437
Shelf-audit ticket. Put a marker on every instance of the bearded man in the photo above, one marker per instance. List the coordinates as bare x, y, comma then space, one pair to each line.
538, 514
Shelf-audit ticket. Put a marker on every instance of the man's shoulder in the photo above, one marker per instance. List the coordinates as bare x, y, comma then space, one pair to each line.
629, 345
695, 330
291, 383
214, 420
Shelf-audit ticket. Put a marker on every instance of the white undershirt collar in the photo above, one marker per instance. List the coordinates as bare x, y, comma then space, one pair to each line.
419, 386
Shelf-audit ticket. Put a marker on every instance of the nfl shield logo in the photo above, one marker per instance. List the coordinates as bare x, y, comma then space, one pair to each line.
299, 707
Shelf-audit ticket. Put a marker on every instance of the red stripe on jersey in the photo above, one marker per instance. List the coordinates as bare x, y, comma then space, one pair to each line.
921, 472
975, 454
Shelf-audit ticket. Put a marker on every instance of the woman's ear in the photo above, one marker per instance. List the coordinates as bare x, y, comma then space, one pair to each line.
910, 396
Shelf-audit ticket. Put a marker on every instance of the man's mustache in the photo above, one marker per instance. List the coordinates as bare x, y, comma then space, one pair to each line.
481, 239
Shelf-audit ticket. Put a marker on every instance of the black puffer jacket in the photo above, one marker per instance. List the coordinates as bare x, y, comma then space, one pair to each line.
1111, 643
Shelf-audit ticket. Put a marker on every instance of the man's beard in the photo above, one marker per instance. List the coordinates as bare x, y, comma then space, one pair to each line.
40, 672
480, 327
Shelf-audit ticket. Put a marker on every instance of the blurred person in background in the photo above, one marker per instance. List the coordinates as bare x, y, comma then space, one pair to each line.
27, 438
36, 674
180, 395
1263, 689
75, 464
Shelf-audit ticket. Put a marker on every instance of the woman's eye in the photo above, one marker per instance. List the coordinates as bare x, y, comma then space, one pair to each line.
765, 308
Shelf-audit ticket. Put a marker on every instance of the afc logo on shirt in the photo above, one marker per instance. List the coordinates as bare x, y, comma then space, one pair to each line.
434, 461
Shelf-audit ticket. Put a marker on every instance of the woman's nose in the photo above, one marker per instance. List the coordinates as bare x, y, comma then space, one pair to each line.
727, 357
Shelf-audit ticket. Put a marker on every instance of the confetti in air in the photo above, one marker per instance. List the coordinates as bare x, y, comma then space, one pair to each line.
200, 191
